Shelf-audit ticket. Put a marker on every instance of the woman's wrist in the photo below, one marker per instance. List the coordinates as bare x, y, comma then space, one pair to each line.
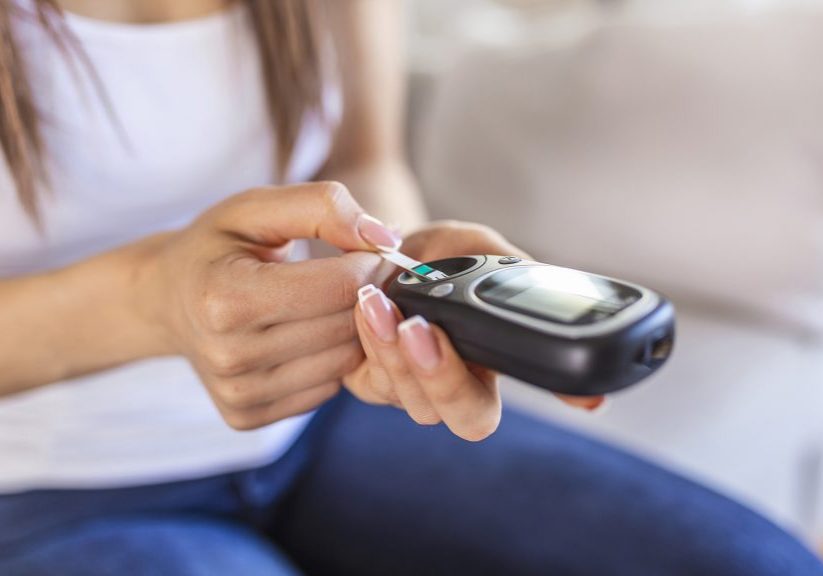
123, 288
147, 294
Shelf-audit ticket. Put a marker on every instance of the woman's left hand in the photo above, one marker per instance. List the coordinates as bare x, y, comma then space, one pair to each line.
412, 365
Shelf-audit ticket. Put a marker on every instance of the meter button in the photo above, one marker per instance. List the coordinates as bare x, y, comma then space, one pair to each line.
508, 260
442, 290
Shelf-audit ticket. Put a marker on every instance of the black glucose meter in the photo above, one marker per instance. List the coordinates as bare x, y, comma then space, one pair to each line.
561, 329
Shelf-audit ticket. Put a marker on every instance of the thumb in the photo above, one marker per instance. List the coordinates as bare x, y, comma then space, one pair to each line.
326, 210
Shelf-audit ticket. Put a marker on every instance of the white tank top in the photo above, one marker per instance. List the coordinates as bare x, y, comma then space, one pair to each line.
191, 102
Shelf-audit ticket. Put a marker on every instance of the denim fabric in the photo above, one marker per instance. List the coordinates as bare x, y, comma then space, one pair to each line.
366, 491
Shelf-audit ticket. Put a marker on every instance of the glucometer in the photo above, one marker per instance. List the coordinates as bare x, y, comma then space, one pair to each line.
561, 329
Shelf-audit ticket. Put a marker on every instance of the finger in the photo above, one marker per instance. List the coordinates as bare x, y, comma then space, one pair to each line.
461, 238
261, 388
277, 253
326, 210
589, 403
378, 381
319, 286
237, 354
298, 403
282, 343
377, 318
469, 406
359, 383
249, 294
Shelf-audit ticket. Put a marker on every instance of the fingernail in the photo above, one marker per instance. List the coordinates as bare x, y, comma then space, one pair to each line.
417, 338
378, 313
364, 290
377, 234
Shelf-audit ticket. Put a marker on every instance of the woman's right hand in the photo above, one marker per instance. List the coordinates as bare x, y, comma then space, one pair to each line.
269, 338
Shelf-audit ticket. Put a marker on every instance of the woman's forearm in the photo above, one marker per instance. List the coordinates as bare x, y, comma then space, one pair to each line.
369, 148
76, 320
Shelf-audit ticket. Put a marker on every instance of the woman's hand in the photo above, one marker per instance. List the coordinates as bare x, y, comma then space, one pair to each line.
269, 338
412, 365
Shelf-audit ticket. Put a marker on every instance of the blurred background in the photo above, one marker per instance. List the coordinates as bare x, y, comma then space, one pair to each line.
676, 143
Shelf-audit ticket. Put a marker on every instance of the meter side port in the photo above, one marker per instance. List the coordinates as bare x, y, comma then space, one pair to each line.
656, 350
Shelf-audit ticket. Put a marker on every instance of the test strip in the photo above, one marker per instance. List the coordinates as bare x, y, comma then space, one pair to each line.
412, 266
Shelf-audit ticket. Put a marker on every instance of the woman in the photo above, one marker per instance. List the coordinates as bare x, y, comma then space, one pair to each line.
155, 302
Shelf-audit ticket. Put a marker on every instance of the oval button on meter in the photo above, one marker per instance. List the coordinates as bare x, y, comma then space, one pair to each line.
442, 290
509, 260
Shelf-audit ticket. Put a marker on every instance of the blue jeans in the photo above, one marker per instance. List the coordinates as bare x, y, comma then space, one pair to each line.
365, 491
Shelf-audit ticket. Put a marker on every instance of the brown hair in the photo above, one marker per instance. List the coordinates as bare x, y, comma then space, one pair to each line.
287, 37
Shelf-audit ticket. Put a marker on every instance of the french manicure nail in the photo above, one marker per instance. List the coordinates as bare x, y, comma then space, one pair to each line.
417, 337
377, 234
378, 313
363, 291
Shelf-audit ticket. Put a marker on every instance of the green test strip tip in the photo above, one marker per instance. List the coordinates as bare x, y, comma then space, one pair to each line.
423, 269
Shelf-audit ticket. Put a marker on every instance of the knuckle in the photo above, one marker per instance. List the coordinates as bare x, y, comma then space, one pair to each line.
347, 288
223, 303
348, 326
240, 421
236, 396
219, 312
224, 361
350, 276
356, 270
365, 270
334, 194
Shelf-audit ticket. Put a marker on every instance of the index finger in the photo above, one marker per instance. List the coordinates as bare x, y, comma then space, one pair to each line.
272, 216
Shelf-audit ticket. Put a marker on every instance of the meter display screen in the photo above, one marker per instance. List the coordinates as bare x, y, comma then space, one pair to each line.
557, 294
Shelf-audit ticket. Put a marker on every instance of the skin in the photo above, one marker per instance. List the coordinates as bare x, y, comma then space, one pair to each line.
269, 339
143, 11
463, 396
